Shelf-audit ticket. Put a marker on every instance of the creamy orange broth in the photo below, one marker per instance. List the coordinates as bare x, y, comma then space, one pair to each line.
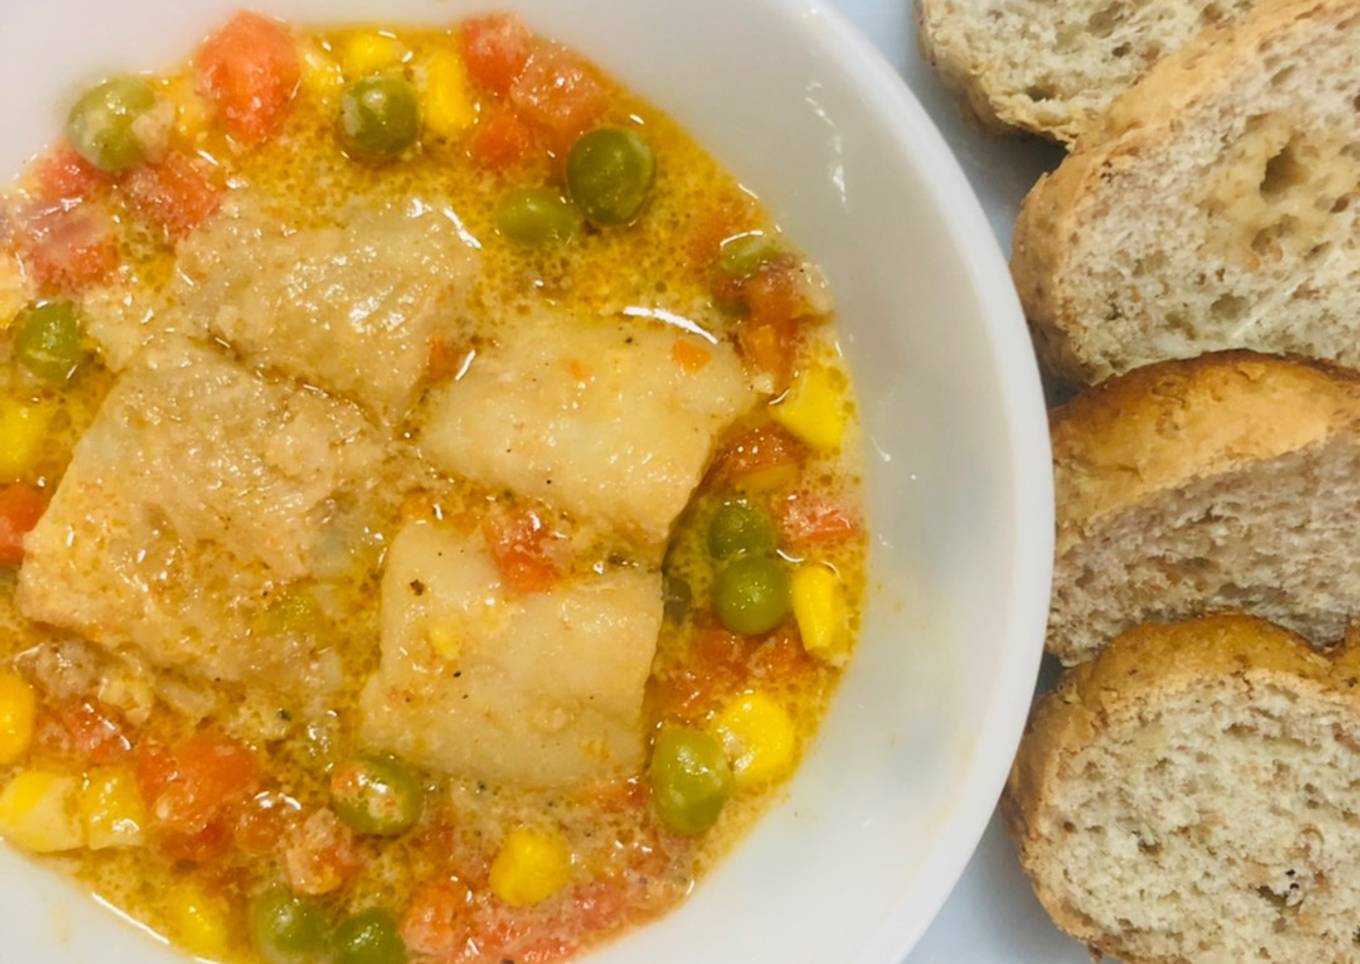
626, 865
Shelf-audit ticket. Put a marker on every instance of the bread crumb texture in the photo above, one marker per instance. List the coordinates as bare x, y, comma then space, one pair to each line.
1190, 796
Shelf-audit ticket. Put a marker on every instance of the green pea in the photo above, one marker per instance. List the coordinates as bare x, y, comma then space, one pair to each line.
286, 928
751, 595
744, 255
610, 172
369, 937
102, 125
538, 215
676, 597
377, 795
691, 779
739, 528
51, 341
379, 116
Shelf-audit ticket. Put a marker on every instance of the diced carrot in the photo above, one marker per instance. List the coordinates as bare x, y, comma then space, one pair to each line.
774, 294
495, 50
521, 545
499, 140
21, 506
261, 822
781, 657
559, 93
435, 922
759, 458
813, 519
63, 175
321, 854
249, 69
193, 790
770, 347
175, 193
66, 249
689, 356
715, 668
96, 733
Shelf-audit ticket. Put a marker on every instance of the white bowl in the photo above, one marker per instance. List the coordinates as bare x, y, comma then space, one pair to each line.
894, 794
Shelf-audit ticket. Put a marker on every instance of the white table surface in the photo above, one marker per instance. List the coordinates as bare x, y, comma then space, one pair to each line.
992, 915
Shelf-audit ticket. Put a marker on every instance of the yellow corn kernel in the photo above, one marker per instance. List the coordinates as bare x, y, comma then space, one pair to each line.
199, 922
823, 616
759, 738
321, 75
17, 705
530, 867
448, 105
367, 52
38, 811
111, 810
22, 430
814, 409
191, 111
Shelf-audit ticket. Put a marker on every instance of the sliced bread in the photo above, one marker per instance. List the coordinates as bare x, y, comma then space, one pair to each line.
1228, 482
1190, 796
1217, 207
1052, 68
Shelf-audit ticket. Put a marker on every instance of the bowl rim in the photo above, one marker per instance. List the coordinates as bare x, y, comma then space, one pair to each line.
895, 107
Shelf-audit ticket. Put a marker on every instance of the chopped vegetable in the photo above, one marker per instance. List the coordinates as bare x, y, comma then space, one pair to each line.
448, 106
111, 809
175, 194
95, 733
822, 613
495, 49
64, 175
191, 110
285, 928
377, 795
369, 937
538, 215
38, 811
435, 921
530, 867
23, 428
21, 506
610, 173
67, 248
321, 74
559, 93
520, 544
814, 409
51, 341
751, 595
192, 790
198, 921
250, 70
691, 779
18, 707
761, 459
500, 140
321, 855
759, 738
113, 126
745, 254
770, 349
812, 519
739, 528
379, 116
366, 52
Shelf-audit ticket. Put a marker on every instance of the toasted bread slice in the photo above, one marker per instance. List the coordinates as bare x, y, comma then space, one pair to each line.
1190, 796
1052, 68
1218, 206
1230, 481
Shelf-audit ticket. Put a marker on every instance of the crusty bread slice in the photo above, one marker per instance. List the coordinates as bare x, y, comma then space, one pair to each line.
1190, 796
1227, 482
1052, 68
1218, 206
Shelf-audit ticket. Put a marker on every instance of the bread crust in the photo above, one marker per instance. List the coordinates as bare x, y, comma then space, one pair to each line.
1116, 687
1162, 426
1141, 122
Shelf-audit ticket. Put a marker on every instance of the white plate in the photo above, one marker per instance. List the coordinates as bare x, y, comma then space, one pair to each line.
992, 915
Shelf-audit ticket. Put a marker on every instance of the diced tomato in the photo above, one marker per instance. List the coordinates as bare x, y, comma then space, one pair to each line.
781, 657
249, 69
499, 140
522, 546
716, 667
770, 347
66, 248
774, 294
63, 175
689, 356
495, 50
96, 733
262, 821
436, 920
193, 790
811, 519
321, 854
727, 217
175, 193
760, 458
559, 93
21, 506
